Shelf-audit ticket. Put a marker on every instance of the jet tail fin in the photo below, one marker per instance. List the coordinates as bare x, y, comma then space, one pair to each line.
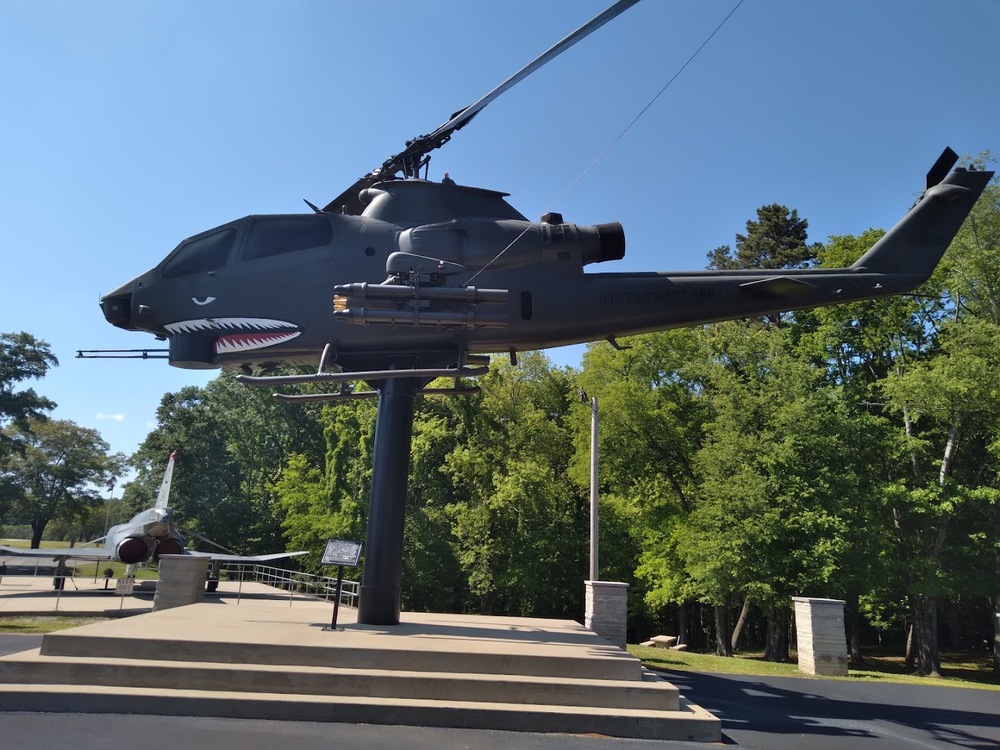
163, 498
915, 245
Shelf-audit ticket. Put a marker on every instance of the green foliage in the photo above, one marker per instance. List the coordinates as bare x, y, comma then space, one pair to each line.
232, 443
516, 522
22, 357
57, 471
311, 516
776, 240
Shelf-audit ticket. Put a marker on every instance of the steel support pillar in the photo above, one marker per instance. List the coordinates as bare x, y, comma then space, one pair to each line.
378, 602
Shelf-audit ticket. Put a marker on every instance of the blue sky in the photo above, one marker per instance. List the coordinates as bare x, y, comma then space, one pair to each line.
129, 126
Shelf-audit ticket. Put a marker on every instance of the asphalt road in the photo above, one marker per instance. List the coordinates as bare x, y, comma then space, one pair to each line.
789, 712
758, 713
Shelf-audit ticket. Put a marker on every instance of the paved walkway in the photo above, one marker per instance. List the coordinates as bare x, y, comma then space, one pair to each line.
82, 596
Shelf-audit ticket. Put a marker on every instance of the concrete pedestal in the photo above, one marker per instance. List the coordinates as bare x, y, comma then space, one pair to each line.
819, 626
182, 581
606, 610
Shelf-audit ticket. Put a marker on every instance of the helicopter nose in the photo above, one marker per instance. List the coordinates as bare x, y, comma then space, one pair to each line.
117, 307
118, 311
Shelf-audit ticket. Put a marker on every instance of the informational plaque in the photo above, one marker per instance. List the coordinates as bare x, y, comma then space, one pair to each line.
342, 552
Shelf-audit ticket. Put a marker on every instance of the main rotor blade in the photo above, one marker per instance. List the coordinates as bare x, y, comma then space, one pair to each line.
410, 159
460, 118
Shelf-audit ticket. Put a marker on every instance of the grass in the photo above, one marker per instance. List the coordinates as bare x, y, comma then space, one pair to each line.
38, 625
959, 670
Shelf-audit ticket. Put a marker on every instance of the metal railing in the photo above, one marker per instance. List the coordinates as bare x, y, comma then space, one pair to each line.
304, 584
307, 585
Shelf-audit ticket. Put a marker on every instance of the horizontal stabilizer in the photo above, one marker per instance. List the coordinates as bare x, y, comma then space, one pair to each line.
248, 559
781, 287
72, 553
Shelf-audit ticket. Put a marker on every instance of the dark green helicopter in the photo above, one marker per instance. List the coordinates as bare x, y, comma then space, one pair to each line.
400, 280
407, 273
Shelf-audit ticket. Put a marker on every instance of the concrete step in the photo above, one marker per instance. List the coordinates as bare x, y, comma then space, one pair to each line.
31, 667
611, 664
689, 722
281, 662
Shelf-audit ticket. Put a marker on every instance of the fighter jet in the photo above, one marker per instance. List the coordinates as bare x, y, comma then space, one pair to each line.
147, 536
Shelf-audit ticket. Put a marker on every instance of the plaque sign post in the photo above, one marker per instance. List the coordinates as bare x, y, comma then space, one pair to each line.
340, 552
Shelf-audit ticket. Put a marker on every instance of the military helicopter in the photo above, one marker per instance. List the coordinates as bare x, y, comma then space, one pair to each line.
397, 274
400, 280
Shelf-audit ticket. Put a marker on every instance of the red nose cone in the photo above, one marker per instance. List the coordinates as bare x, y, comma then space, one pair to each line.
132, 550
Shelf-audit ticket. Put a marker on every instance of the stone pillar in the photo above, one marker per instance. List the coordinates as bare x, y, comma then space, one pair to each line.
607, 610
182, 581
819, 626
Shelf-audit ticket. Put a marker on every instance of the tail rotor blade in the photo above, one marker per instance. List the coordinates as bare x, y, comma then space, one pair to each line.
941, 167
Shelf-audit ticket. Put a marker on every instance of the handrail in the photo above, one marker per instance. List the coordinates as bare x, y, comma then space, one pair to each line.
304, 584
295, 582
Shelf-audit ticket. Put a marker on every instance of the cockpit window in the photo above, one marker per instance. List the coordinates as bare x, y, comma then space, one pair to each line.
200, 255
287, 234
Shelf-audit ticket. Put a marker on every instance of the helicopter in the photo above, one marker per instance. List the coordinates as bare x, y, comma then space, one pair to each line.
400, 280
402, 273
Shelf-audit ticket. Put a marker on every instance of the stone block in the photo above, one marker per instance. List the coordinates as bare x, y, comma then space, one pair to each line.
181, 582
822, 640
606, 610
664, 641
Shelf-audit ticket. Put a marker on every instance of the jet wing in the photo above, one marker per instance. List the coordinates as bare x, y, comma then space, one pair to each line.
222, 557
72, 553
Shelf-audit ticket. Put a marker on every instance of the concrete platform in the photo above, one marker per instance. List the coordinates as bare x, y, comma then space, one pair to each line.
266, 659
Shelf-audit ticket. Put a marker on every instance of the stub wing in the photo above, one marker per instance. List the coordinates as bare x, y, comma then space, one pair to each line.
68, 553
226, 558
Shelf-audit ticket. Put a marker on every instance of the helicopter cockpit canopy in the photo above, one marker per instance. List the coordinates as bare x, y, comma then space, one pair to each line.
203, 253
264, 237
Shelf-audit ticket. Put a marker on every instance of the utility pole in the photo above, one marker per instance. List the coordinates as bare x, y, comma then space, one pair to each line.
594, 429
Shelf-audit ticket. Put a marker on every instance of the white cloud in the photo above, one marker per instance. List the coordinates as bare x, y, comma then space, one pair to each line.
112, 417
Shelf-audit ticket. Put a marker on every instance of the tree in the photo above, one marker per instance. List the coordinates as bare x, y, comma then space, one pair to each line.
328, 498
232, 444
776, 240
22, 357
58, 470
205, 489
921, 371
518, 523
774, 469
651, 428
950, 405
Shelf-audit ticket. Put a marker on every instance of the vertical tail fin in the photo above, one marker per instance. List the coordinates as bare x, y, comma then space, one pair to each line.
164, 497
915, 245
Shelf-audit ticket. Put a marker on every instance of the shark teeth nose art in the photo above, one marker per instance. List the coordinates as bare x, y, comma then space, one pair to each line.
244, 342
239, 334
